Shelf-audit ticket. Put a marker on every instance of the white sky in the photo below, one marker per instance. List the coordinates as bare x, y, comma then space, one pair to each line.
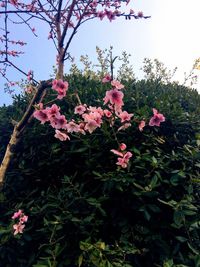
171, 36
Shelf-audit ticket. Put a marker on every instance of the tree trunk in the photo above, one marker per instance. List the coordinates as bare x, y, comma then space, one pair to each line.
8, 154
20, 127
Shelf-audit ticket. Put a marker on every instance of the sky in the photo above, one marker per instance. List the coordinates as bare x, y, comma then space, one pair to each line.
170, 35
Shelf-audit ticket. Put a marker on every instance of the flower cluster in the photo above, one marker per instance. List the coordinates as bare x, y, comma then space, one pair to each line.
21, 219
61, 88
90, 118
156, 119
124, 156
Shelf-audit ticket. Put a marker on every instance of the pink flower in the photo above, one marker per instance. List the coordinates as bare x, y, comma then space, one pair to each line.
123, 162
23, 219
124, 126
140, 14
17, 214
14, 2
117, 85
80, 109
58, 121
41, 115
91, 125
53, 111
98, 110
141, 125
61, 136
30, 75
116, 152
72, 127
156, 119
61, 87
115, 97
122, 146
96, 116
18, 228
107, 113
106, 79
125, 116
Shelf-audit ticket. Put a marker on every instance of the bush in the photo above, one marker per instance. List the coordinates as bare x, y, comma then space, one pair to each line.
83, 210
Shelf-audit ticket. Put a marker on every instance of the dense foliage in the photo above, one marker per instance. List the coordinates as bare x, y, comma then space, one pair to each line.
83, 210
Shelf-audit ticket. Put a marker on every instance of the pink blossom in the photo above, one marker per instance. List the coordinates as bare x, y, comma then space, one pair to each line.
41, 115
96, 116
101, 15
122, 146
58, 121
91, 125
141, 125
61, 87
80, 109
98, 110
156, 119
116, 152
125, 116
23, 219
107, 113
123, 161
140, 14
124, 126
17, 214
72, 127
117, 85
53, 111
18, 228
107, 78
30, 75
14, 2
115, 97
61, 136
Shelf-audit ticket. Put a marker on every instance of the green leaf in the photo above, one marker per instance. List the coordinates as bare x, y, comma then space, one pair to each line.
194, 250
178, 217
80, 260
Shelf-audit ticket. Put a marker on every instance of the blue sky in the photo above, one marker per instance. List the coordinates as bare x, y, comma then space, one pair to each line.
171, 35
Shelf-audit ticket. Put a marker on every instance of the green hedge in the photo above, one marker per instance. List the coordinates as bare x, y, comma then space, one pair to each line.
82, 210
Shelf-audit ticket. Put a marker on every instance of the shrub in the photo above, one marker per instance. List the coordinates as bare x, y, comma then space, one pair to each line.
83, 210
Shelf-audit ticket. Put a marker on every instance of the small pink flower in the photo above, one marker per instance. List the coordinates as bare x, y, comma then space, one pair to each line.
116, 152
61, 87
72, 127
91, 125
17, 214
122, 146
140, 14
141, 125
53, 111
124, 126
107, 113
18, 228
125, 116
41, 115
117, 85
156, 119
115, 97
58, 121
107, 78
80, 109
61, 136
123, 161
23, 219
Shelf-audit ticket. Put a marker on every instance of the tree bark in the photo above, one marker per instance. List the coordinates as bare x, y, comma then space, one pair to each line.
19, 129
